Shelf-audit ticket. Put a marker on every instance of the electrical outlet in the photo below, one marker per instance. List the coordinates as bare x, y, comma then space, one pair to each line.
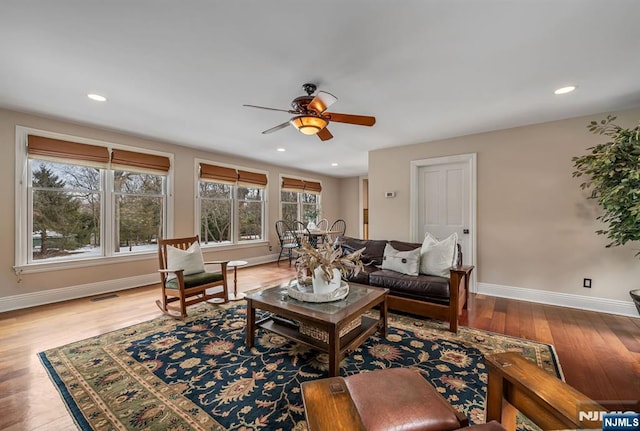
270, 247
586, 282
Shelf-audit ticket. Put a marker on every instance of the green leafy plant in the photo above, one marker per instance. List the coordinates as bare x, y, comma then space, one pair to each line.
612, 170
327, 256
311, 215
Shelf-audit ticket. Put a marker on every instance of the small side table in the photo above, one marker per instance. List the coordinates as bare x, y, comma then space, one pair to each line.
235, 296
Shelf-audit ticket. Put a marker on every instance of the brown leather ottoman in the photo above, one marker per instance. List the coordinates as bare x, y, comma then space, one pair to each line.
392, 399
400, 399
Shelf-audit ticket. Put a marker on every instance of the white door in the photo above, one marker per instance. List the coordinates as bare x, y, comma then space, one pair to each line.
443, 202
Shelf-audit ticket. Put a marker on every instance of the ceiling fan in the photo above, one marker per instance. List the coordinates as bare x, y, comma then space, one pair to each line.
311, 116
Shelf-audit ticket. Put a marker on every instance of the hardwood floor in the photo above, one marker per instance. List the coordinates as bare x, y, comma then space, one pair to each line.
599, 353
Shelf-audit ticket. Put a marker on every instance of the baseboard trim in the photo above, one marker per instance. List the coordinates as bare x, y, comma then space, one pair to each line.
43, 297
602, 305
51, 296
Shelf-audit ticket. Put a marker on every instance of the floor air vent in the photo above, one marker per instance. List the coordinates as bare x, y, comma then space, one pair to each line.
100, 298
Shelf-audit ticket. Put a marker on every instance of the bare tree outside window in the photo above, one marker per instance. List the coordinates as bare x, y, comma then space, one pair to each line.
215, 212
250, 213
295, 205
139, 203
224, 205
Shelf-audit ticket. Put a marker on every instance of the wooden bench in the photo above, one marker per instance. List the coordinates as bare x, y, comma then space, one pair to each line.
517, 383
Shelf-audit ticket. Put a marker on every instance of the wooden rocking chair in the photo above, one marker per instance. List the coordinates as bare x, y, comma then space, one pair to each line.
187, 285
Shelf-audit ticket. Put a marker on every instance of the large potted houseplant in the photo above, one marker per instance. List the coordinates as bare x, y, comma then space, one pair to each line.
612, 172
323, 267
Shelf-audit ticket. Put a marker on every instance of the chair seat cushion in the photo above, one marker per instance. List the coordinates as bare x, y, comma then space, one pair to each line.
400, 399
194, 280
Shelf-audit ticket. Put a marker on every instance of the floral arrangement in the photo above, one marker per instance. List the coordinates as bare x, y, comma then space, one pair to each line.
327, 257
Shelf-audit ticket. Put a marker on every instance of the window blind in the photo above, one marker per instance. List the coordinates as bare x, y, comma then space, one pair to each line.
312, 187
147, 162
252, 179
39, 147
292, 185
218, 174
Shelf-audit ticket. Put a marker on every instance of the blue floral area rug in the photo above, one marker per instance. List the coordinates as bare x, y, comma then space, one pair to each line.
198, 374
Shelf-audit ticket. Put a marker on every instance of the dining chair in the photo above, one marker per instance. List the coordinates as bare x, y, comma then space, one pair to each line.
323, 224
289, 239
303, 231
339, 227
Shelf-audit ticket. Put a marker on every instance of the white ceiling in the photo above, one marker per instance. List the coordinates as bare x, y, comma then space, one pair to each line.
179, 71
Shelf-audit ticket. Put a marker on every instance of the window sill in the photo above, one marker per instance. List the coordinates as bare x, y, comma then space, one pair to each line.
230, 246
32, 268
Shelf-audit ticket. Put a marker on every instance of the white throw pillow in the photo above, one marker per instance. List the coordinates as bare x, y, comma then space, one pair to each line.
436, 257
405, 262
190, 260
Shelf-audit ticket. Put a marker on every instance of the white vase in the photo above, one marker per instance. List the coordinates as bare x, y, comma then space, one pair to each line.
311, 225
321, 285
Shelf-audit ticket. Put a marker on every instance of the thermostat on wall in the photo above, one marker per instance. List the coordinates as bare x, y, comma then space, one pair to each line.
389, 194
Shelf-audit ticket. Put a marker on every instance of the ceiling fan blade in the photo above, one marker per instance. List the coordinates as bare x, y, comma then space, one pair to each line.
359, 120
276, 128
322, 101
324, 134
270, 109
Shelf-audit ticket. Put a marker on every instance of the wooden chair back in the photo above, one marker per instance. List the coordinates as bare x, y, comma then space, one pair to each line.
181, 243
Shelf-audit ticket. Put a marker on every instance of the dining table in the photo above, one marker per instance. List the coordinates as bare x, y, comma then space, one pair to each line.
317, 236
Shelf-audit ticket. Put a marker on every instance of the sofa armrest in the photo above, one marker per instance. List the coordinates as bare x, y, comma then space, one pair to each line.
462, 269
458, 293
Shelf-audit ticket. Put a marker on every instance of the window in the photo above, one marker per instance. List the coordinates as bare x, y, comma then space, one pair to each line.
138, 211
299, 200
231, 205
66, 202
84, 201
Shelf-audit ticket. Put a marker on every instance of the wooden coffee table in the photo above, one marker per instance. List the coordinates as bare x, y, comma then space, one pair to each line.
332, 318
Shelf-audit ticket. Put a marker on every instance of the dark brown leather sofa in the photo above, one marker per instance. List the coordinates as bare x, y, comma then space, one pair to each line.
424, 295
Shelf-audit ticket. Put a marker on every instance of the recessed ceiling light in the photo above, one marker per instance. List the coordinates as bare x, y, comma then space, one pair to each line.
282, 150
565, 90
96, 97
334, 164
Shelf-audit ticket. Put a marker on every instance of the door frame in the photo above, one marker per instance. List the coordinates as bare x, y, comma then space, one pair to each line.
414, 229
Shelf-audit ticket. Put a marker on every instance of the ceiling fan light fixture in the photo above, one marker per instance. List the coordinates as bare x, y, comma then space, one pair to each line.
309, 124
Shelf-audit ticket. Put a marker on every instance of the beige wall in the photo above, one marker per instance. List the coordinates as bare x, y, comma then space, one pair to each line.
535, 227
184, 192
349, 204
